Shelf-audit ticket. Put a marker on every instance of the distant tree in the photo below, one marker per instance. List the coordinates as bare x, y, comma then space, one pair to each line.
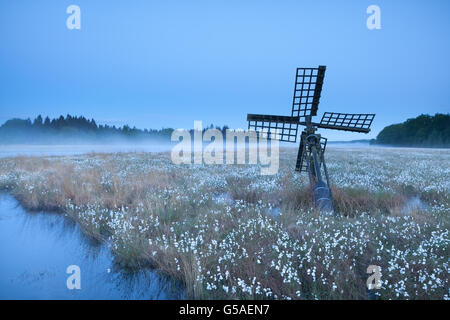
38, 121
422, 131
126, 129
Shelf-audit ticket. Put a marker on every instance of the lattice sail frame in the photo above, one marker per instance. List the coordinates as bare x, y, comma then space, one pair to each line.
305, 102
287, 127
307, 91
306, 99
359, 122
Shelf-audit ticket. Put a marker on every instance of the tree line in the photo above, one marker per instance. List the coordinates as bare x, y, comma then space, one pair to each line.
422, 131
76, 129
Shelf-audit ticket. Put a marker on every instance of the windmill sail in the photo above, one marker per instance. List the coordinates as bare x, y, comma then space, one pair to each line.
358, 122
307, 91
285, 127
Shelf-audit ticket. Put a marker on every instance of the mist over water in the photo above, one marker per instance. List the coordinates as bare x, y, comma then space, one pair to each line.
151, 146
14, 150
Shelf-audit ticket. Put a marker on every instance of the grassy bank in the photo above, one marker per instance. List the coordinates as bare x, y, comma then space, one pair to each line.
228, 232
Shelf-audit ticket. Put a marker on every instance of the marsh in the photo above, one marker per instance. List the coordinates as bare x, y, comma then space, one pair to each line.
163, 217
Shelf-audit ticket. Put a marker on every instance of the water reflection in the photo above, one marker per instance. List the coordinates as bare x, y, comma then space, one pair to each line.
36, 249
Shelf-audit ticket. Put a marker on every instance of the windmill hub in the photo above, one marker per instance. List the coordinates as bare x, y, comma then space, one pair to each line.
310, 158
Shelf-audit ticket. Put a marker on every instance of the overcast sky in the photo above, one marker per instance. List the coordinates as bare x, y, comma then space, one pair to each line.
154, 64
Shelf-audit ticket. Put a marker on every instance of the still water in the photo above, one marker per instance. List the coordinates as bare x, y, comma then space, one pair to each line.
37, 248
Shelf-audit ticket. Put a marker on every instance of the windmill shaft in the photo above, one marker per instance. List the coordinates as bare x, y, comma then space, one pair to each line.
316, 164
322, 197
321, 190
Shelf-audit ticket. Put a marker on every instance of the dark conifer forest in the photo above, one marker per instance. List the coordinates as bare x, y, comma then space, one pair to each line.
422, 131
77, 129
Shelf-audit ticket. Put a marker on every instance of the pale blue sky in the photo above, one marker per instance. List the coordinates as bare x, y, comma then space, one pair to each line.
154, 64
